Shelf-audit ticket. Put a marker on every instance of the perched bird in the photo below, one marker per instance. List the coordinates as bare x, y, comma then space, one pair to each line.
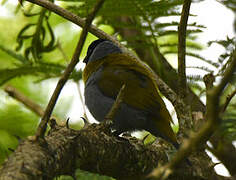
107, 69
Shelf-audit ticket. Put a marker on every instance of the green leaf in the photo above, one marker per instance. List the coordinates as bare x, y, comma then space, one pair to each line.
43, 70
15, 55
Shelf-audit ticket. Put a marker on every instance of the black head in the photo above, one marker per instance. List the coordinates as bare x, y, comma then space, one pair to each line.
99, 49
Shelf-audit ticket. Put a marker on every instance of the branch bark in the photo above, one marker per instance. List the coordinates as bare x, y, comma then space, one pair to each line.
92, 149
89, 149
182, 49
185, 121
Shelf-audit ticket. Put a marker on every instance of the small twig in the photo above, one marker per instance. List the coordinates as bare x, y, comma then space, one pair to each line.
43, 124
116, 104
182, 49
14, 93
227, 101
213, 121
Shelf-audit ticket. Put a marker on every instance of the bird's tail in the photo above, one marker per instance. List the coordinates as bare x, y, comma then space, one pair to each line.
164, 130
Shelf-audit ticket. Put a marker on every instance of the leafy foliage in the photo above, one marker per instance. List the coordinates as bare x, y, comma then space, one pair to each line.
229, 45
145, 16
38, 37
40, 55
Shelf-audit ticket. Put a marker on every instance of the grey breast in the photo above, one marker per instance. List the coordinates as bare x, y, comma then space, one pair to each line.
98, 104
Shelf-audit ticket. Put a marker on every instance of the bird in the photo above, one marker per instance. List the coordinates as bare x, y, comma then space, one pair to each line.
107, 68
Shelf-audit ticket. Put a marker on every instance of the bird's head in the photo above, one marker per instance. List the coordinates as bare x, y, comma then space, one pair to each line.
99, 49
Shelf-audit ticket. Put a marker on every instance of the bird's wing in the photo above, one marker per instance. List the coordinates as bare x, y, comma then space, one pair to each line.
140, 91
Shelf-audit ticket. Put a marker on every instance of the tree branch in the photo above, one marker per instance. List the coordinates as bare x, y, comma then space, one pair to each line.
185, 121
116, 104
213, 121
43, 124
89, 149
31, 105
14, 93
182, 49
